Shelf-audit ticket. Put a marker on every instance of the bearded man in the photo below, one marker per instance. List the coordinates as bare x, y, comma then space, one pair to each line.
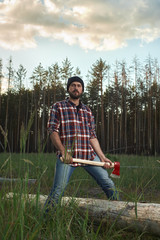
72, 131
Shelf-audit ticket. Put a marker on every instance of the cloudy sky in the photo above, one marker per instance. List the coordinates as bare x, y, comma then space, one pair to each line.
48, 31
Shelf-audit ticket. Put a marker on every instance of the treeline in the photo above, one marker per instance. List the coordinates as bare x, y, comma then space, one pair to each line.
125, 101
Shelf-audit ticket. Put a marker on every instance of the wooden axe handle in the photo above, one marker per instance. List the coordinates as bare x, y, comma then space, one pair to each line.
89, 162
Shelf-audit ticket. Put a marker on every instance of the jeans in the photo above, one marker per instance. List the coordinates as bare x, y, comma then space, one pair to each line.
63, 173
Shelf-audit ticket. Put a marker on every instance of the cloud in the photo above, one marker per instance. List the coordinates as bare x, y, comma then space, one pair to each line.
99, 25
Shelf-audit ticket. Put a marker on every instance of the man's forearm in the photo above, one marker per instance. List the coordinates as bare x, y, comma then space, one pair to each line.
96, 146
57, 142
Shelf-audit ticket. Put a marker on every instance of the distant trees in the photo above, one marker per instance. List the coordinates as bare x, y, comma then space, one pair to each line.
125, 101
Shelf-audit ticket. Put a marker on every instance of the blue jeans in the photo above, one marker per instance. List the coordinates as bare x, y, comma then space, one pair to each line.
63, 173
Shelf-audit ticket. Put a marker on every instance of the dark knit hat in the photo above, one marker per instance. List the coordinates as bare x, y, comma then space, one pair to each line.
75, 79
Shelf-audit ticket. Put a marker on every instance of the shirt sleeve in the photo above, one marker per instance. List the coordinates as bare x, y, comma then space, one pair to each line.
54, 120
92, 128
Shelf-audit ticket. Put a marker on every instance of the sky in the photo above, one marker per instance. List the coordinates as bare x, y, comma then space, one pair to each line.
48, 31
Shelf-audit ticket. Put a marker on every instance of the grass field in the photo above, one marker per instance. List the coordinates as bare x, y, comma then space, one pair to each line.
20, 220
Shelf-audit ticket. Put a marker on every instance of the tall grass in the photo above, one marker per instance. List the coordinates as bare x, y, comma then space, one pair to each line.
20, 219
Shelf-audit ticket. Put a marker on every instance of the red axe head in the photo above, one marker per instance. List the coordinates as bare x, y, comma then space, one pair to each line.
116, 170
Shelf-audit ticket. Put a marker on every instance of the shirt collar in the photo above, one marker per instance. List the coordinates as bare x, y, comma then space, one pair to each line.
80, 103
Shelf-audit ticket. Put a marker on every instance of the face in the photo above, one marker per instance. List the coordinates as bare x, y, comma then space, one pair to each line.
75, 90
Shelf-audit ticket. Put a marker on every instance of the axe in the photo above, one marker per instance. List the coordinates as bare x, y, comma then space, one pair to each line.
115, 165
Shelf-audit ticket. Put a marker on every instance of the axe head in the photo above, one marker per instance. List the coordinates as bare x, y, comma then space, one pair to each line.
116, 170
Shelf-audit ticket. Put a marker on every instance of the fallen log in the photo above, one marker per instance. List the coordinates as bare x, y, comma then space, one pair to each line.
135, 216
141, 217
32, 181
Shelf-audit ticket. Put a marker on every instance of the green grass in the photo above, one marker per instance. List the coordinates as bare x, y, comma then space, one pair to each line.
142, 183
21, 220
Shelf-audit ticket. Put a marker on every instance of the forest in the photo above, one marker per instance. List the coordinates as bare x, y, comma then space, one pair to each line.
125, 101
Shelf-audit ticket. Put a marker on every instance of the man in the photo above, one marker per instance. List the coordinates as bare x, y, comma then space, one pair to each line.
72, 132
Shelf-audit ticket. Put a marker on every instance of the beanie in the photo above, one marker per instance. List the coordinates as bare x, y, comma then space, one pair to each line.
75, 79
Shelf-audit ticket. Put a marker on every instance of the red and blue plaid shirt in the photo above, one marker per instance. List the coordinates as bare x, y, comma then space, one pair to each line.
75, 128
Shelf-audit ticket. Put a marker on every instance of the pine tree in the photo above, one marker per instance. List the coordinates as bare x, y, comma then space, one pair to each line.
19, 76
39, 81
53, 78
10, 78
66, 71
99, 72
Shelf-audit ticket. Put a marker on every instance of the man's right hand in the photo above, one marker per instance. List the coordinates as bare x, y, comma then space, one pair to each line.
67, 158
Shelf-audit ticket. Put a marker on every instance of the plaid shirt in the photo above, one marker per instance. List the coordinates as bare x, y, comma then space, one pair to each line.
75, 128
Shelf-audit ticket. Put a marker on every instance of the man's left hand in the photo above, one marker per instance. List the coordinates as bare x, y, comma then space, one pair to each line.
108, 162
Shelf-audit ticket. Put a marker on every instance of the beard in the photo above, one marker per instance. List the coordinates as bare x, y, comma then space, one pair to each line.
73, 94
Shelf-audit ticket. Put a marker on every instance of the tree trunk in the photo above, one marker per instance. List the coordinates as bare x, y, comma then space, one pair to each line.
1, 75
102, 117
113, 132
43, 119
